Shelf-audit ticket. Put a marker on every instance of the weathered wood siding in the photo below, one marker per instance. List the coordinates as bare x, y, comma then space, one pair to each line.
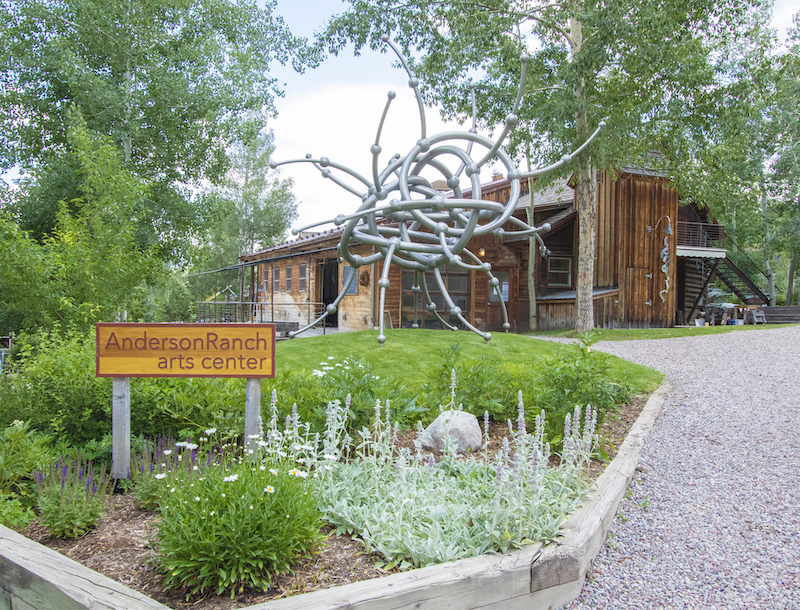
605, 265
557, 315
641, 202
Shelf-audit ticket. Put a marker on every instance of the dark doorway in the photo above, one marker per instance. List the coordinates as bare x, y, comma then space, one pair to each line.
330, 288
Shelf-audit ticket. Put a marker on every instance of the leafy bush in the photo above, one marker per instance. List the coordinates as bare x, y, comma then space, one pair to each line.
235, 526
22, 451
576, 375
71, 497
188, 406
312, 391
56, 389
481, 385
13, 513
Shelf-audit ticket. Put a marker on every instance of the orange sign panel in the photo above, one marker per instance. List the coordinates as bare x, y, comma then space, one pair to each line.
185, 350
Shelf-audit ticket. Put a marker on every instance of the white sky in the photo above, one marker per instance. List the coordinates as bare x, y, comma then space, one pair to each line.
334, 111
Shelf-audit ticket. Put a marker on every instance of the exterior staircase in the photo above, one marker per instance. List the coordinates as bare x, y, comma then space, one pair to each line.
739, 283
710, 260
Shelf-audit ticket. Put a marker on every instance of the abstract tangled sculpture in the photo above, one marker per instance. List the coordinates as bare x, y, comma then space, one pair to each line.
422, 230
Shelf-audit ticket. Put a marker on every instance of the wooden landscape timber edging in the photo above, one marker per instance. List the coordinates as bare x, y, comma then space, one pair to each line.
536, 577
33, 577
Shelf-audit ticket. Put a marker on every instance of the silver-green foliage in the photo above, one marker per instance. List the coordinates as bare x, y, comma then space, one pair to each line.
413, 510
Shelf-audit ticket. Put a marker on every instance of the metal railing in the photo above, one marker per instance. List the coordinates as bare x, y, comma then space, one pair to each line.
257, 311
700, 235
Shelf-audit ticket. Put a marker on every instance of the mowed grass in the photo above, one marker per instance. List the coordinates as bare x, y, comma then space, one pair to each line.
411, 355
643, 334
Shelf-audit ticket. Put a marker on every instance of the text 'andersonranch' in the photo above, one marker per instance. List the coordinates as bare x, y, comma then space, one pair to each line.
173, 351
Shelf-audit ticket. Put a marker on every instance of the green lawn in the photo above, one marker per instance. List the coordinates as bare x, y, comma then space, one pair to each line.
411, 354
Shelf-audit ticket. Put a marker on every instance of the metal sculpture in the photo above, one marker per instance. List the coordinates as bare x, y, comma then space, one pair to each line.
665, 257
412, 225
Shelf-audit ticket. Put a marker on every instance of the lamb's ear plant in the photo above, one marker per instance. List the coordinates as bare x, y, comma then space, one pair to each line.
71, 496
459, 507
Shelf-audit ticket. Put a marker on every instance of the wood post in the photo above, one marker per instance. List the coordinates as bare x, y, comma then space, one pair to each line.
121, 427
252, 411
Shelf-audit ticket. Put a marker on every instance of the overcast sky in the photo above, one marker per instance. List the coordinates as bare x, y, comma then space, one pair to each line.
334, 111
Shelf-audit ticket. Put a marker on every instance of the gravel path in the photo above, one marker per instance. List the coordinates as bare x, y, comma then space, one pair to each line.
712, 517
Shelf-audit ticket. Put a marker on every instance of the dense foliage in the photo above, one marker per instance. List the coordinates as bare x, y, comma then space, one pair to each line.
118, 115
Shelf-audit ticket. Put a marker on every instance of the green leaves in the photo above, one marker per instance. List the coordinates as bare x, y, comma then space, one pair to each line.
221, 530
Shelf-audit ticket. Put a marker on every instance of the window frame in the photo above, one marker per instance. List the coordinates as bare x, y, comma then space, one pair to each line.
551, 282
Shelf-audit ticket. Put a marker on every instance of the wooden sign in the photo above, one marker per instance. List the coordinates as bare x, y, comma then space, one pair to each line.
185, 350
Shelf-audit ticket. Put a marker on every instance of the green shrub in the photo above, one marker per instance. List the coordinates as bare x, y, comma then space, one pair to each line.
480, 385
576, 375
22, 451
13, 513
236, 526
71, 497
187, 406
353, 377
56, 389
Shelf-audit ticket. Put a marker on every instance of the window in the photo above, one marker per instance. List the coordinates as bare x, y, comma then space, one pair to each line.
276, 279
288, 278
301, 278
559, 271
353, 289
456, 281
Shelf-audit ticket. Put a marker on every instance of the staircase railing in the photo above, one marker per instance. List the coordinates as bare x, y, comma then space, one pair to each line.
748, 266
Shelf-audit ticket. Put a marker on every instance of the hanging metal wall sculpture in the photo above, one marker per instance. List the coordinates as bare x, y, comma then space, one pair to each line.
412, 225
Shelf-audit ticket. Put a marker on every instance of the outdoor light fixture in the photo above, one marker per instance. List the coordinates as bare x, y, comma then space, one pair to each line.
665, 258
481, 252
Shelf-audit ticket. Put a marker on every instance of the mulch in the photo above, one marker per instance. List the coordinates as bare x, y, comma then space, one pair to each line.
121, 547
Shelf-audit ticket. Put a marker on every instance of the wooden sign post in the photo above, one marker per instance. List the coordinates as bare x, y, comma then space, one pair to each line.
180, 350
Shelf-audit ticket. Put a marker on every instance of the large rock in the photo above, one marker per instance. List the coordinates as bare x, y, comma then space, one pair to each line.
462, 427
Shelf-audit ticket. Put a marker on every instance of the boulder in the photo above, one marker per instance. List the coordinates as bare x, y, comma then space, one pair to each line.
462, 427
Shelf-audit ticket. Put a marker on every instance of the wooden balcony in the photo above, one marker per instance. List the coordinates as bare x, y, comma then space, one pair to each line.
700, 240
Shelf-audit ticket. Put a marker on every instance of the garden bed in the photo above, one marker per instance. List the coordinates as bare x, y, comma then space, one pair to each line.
120, 549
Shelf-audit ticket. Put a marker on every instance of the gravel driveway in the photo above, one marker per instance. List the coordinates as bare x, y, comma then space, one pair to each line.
712, 517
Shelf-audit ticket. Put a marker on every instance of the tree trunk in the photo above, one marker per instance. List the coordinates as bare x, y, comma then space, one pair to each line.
586, 200
587, 221
766, 243
790, 281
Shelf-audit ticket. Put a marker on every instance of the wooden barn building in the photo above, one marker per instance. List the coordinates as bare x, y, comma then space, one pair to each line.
654, 261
